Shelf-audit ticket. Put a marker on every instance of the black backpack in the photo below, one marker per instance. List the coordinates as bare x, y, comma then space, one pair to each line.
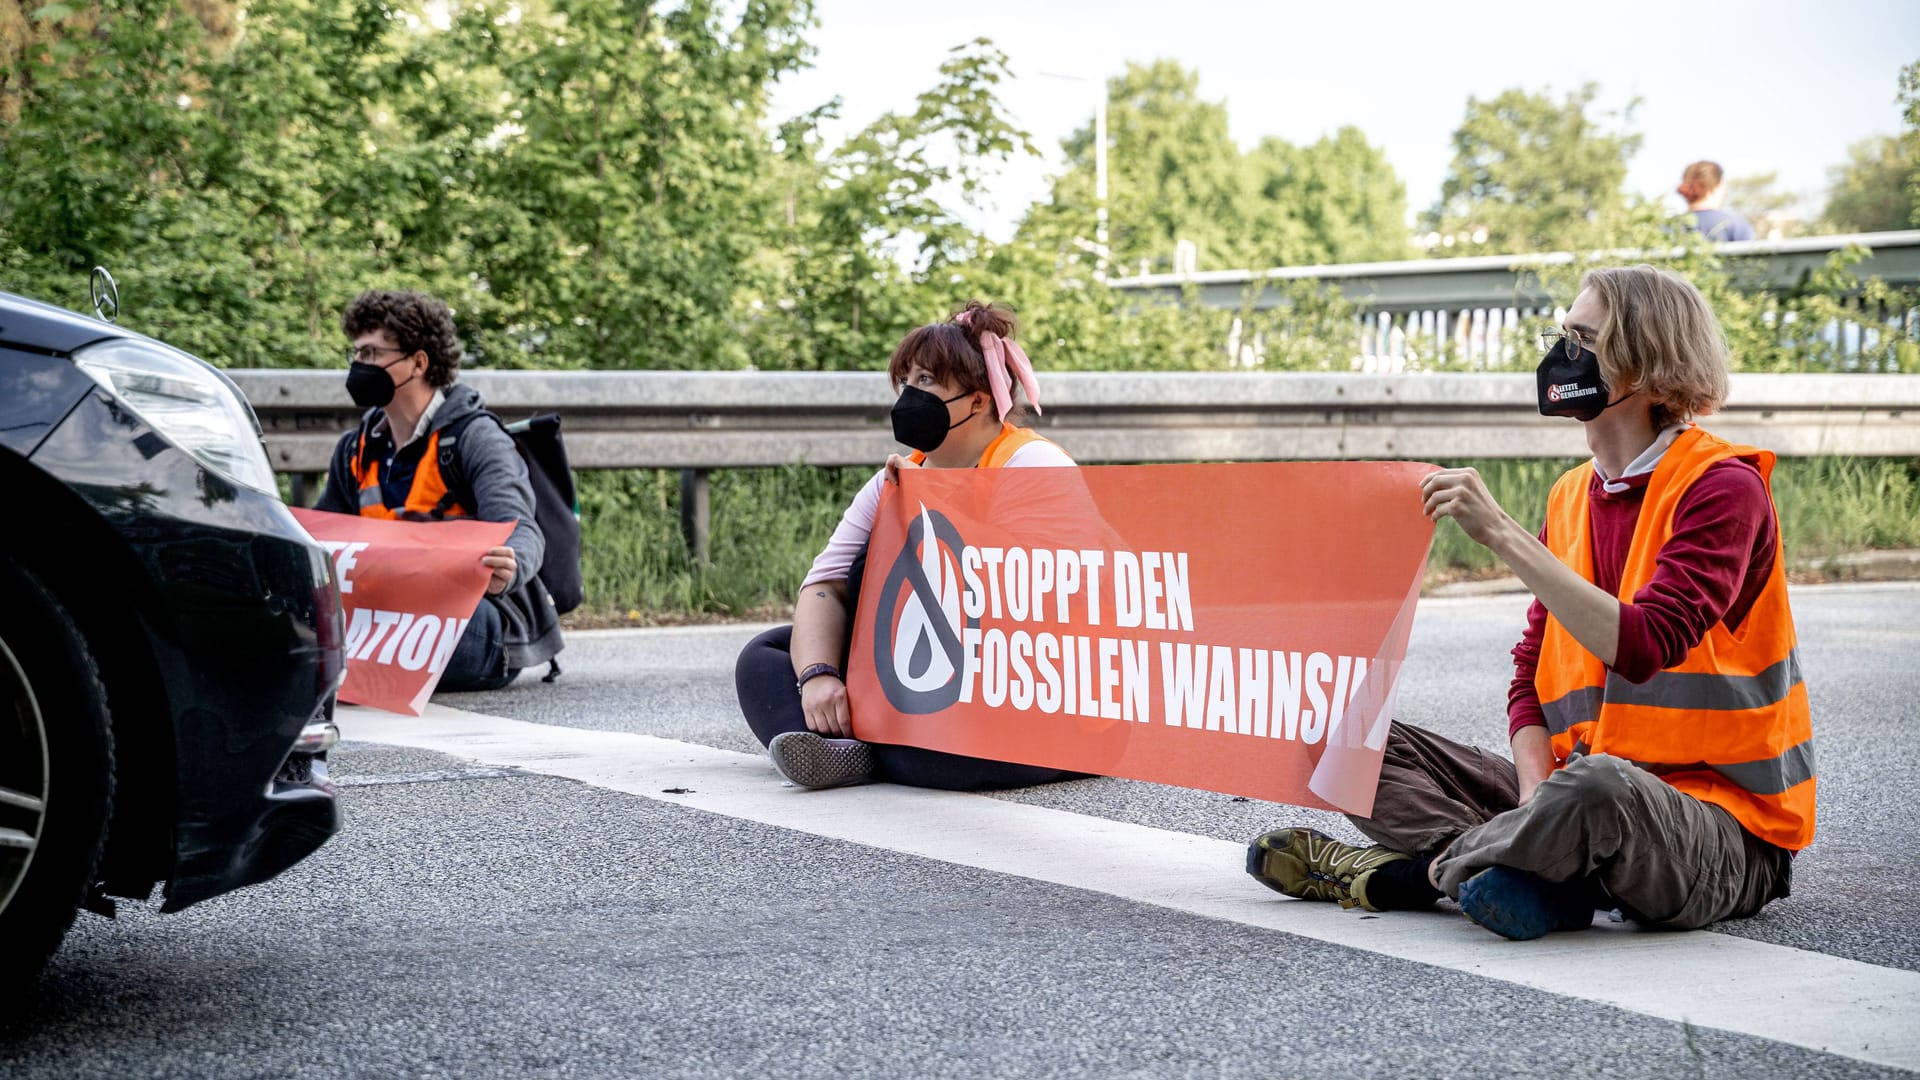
556, 506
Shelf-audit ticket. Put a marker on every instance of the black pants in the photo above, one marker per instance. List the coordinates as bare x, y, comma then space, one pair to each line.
479, 661
764, 678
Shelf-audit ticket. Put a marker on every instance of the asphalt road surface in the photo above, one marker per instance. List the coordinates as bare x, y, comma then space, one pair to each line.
600, 877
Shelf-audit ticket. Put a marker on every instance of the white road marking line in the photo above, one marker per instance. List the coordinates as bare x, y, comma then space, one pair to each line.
439, 776
743, 631
1826, 1003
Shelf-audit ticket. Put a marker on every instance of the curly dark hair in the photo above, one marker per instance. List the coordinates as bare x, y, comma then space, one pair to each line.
416, 321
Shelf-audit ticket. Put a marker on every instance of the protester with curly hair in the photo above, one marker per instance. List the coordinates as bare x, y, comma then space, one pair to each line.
420, 455
959, 384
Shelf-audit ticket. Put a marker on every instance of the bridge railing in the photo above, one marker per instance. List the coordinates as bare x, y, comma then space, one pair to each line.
698, 421
1478, 310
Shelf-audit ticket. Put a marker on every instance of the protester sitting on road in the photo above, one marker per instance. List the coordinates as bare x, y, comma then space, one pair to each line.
1662, 744
959, 384
1705, 189
425, 452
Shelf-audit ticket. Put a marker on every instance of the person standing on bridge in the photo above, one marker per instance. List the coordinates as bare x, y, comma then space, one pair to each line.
1704, 187
1662, 740
959, 384
426, 451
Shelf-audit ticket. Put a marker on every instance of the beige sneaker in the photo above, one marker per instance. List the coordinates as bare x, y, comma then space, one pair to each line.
1309, 865
814, 761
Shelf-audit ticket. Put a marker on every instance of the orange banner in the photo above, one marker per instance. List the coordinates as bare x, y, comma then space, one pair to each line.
408, 589
1236, 628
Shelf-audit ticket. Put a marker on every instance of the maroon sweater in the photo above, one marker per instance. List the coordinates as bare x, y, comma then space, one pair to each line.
1711, 569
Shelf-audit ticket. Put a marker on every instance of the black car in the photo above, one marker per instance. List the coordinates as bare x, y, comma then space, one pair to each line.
170, 638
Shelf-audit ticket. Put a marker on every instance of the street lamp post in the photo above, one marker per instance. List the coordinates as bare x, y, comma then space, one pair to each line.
1101, 251
1100, 187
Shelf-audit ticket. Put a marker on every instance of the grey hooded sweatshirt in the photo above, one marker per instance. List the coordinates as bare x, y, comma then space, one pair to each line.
497, 478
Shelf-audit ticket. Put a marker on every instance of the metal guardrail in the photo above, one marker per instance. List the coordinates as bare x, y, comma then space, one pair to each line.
718, 420
1478, 308
698, 421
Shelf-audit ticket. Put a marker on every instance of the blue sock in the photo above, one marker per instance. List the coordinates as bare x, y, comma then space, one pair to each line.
1522, 905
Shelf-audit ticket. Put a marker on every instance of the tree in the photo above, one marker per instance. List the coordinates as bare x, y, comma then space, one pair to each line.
871, 245
1872, 191
1533, 174
31, 26
619, 174
101, 154
1176, 175
1334, 200
585, 186
240, 193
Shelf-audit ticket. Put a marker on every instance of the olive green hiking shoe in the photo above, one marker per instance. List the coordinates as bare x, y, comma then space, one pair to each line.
1309, 865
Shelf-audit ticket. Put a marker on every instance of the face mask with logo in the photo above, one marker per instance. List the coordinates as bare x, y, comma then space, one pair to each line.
920, 419
1571, 385
370, 386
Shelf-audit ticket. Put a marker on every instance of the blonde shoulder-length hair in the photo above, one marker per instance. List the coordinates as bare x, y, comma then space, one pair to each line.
1659, 335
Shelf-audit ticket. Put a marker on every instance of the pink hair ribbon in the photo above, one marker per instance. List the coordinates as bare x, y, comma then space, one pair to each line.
1002, 354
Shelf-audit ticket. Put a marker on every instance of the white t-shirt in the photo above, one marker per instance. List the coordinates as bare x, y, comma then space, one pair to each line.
856, 525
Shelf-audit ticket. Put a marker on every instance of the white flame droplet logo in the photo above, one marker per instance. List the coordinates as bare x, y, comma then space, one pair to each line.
915, 634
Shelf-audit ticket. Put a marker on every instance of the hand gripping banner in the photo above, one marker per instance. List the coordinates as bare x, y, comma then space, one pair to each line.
1237, 628
408, 589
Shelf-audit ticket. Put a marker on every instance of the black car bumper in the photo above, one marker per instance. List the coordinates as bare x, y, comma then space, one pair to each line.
239, 612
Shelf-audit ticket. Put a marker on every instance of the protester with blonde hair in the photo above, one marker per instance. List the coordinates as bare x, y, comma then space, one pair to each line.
1662, 743
960, 385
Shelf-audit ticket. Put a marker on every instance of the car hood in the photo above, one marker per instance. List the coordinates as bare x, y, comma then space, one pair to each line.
45, 328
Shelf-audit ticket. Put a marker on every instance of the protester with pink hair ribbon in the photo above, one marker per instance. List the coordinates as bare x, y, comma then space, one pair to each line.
1000, 354
957, 408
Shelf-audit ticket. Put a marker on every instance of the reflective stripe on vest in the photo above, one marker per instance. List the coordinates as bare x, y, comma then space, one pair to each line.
1729, 724
1769, 777
428, 498
1001, 449
1691, 690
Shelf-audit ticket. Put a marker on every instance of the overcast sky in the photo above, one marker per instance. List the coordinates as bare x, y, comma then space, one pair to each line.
1760, 86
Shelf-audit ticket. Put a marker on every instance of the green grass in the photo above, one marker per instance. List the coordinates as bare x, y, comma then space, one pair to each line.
1519, 486
1830, 506
769, 523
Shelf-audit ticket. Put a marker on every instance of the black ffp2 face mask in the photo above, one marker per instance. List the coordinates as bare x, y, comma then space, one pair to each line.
1570, 384
370, 386
921, 420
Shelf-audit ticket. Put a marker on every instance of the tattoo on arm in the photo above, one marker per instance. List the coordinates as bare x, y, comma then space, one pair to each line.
821, 593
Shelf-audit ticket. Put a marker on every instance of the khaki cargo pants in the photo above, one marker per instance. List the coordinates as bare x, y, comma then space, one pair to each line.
1664, 857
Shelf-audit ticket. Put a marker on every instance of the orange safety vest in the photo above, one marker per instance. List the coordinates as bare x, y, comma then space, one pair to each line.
1729, 723
428, 499
1001, 449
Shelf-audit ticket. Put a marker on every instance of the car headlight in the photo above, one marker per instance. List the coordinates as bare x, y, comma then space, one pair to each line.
186, 400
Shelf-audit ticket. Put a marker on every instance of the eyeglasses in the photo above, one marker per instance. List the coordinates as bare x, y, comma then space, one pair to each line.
1575, 340
365, 353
